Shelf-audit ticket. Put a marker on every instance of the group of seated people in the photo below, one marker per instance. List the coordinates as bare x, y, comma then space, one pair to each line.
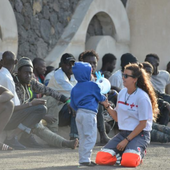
35, 99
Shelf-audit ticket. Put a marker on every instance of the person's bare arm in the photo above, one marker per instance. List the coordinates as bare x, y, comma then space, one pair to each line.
5, 95
110, 110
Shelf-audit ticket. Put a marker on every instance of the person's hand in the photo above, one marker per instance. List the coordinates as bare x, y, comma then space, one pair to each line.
49, 119
121, 146
69, 108
38, 102
105, 103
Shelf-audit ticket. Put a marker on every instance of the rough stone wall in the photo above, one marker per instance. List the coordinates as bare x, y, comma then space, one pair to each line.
40, 24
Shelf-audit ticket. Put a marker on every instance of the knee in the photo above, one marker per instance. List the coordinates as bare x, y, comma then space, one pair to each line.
106, 157
41, 109
8, 107
130, 159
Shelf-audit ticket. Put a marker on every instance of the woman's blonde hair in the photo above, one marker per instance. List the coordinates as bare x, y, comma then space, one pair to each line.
144, 83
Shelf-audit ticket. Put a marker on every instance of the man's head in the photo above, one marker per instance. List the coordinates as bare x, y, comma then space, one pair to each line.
90, 57
25, 70
9, 60
127, 58
39, 66
66, 63
153, 59
148, 68
109, 62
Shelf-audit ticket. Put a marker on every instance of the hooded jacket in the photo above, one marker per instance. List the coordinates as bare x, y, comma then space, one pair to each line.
85, 94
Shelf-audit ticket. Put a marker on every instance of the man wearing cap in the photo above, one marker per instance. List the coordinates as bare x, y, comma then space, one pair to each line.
26, 84
63, 81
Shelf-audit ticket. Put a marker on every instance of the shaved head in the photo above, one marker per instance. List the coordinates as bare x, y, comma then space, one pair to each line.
9, 60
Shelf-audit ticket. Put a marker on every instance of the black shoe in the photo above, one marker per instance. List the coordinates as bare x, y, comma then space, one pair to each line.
88, 164
14, 143
29, 141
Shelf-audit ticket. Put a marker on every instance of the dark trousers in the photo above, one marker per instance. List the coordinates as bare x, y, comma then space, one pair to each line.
66, 119
29, 117
100, 119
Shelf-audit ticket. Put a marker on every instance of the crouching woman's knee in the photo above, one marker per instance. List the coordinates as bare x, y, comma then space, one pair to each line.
131, 158
106, 157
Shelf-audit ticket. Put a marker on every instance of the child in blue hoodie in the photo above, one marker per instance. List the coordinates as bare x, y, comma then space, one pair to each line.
85, 97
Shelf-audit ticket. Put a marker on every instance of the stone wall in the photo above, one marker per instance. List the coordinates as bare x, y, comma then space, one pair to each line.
40, 24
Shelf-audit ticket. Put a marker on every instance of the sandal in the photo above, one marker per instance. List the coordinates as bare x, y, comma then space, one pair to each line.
4, 147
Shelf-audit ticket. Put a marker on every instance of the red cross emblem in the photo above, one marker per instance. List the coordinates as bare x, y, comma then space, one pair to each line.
132, 105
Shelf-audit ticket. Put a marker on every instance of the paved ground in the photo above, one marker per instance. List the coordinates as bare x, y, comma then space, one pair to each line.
158, 157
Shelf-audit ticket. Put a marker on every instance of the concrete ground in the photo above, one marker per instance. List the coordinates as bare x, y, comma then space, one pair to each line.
157, 157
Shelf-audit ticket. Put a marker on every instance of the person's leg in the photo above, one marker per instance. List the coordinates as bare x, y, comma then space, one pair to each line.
160, 133
52, 138
22, 121
88, 134
161, 128
6, 111
107, 155
135, 150
101, 126
163, 118
54, 108
81, 135
65, 118
28, 117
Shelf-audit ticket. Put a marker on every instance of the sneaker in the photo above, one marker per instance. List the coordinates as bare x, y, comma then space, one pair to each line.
29, 141
88, 164
14, 143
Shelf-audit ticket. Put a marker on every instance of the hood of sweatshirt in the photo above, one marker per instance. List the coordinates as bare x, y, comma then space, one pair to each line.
82, 71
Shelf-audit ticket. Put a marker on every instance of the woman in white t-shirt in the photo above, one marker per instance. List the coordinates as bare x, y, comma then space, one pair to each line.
135, 110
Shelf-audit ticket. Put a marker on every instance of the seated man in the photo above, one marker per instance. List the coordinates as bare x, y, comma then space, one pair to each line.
6, 110
27, 115
25, 85
108, 65
116, 78
39, 69
63, 81
160, 78
23, 118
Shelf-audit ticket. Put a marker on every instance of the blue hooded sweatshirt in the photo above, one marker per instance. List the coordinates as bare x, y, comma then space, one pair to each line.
85, 94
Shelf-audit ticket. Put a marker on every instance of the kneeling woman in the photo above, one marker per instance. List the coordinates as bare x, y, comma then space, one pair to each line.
135, 110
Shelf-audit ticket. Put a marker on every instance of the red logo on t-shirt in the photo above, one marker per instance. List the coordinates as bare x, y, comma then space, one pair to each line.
132, 105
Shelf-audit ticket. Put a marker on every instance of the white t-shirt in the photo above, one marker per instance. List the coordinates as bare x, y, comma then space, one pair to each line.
48, 77
160, 80
7, 81
116, 79
60, 82
138, 108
